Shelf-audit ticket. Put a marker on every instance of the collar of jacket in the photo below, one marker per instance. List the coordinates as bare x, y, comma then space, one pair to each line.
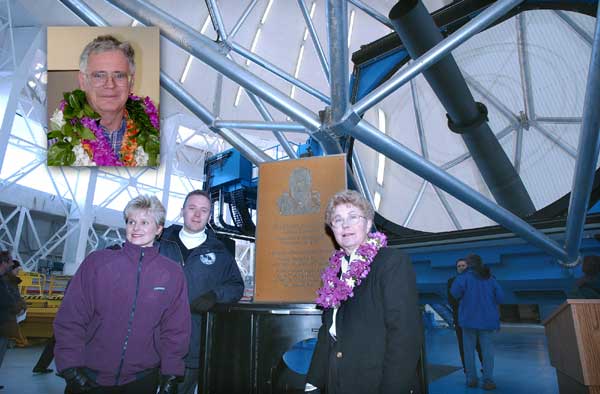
134, 251
175, 228
13, 278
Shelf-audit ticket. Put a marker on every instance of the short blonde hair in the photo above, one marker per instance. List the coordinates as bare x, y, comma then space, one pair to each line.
147, 203
351, 197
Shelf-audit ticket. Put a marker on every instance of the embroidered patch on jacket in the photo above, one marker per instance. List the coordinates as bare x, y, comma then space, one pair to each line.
208, 258
159, 288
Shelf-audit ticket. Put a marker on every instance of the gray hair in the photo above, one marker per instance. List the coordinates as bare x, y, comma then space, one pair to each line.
147, 203
351, 197
104, 44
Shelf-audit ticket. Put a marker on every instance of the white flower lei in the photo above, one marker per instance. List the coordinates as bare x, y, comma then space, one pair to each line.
57, 119
141, 157
81, 156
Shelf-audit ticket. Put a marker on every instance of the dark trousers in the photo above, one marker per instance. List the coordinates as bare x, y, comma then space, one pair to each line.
47, 355
461, 349
190, 381
3, 347
146, 385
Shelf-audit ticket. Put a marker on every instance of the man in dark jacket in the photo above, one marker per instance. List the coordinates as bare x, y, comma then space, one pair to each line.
212, 273
7, 304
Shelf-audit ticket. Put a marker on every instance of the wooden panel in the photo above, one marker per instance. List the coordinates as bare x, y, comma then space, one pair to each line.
567, 385
292, 246
562, 344
573, 332
587, 318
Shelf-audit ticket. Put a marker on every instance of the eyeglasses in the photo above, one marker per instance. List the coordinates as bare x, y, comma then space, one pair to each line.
99, 78
351, 220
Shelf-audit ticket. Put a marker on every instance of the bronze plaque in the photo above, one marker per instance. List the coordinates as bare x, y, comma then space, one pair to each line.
292, 246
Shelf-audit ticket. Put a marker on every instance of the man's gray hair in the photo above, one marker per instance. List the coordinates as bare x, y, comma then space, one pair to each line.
147, 203
104, 44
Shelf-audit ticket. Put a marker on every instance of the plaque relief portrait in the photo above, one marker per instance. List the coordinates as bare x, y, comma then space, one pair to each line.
301, 199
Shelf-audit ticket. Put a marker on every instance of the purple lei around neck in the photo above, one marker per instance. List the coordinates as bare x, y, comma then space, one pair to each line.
149, 109
335, 290
101, 148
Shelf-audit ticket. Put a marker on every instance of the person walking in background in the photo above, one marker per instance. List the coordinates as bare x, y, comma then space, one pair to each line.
41, 367
211, 272
8, 306
480, 295
124, 322
12, 280
588, 286
461, 266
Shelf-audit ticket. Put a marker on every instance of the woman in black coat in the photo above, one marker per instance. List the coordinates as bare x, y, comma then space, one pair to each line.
371, 335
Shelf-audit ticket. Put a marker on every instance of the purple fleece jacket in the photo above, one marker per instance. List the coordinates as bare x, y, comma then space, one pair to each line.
103, 326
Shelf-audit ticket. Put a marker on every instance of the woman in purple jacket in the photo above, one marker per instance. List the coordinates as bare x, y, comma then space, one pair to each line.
125, 319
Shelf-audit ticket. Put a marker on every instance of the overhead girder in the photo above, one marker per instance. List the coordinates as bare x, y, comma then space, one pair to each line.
418, 32
328, 128
208, 52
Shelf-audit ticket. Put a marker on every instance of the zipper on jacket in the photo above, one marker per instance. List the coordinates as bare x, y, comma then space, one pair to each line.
131, 315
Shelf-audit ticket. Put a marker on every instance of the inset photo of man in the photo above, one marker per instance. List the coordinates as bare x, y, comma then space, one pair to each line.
103, 90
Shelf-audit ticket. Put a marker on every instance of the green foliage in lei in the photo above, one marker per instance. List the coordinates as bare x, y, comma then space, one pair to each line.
76, 107
71, 134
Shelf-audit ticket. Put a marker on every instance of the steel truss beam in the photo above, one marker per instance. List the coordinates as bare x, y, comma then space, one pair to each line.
19, 81
209, 52
587, 153
256, 156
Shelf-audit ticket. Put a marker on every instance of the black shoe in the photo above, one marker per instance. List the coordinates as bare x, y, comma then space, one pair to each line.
42, 370
489, 385
1, 387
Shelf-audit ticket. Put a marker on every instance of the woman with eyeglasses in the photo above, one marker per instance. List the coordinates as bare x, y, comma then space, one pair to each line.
371, 333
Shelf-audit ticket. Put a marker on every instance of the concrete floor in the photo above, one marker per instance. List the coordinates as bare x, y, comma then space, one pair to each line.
521, 365
17, 378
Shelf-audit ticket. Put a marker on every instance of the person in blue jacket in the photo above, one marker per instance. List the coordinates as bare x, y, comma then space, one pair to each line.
480, 295
211, 272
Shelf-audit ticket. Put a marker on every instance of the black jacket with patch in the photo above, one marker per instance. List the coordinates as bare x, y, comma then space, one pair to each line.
209, 267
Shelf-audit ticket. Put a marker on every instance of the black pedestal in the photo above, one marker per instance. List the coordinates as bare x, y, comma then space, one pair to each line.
244, 344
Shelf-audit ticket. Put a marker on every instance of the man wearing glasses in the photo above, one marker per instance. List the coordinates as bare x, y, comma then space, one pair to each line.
102, 123
107, 71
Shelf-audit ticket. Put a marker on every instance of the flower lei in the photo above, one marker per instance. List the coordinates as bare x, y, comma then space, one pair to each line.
81, 141
335, 290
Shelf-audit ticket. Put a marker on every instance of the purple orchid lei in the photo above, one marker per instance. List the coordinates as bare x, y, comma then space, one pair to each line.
335, 290
142, 119
101, 148
149, 109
